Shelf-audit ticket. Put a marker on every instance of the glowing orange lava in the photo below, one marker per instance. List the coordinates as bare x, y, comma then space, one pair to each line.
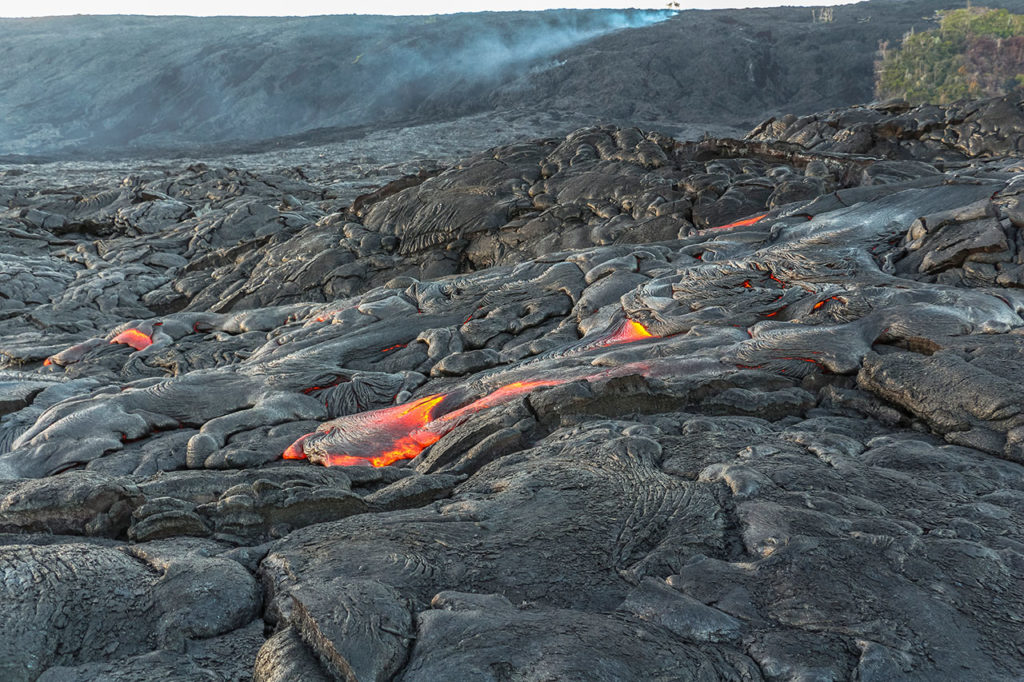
385, 436
821, 303
134, 338
406, 447
741, 223
628, 332
294, 450
496, 397
382, 437
47, 362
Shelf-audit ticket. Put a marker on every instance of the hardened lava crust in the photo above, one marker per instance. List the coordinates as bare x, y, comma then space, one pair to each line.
608, 406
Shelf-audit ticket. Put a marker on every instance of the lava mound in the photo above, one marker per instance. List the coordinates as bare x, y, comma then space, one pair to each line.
611, 406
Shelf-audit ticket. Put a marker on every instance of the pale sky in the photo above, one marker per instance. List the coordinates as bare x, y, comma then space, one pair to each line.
42, 8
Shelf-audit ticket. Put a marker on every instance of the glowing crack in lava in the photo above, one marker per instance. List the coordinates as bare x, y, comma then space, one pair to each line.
628, 332
823, 302
382, 437
368, 432
134, 338
741, 223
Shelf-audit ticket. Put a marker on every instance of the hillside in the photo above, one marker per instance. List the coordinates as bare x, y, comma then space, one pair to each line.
106, 85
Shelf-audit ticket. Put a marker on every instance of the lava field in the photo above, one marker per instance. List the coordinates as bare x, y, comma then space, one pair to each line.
608, 406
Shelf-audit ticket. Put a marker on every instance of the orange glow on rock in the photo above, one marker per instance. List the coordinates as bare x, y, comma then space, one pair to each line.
378, 437
134, 338
47, 362
417, 413
742, 223
822, 302
406, 447
628, 332
385, 436
497, 397
800, 359
294, 450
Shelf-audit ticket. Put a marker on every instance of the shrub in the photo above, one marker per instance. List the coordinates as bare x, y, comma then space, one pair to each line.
973, 52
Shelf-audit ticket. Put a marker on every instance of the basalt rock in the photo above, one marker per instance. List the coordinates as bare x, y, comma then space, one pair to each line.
899, 131
606, 406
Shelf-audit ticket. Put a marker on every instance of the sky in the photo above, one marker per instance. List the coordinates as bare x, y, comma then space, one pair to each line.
42, 8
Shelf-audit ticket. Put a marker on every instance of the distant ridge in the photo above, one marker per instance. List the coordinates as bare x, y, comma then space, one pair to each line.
92, 85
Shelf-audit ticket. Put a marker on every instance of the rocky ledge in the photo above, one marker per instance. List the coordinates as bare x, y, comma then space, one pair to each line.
612, 406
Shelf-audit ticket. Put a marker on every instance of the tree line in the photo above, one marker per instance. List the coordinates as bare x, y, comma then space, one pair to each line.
972, 52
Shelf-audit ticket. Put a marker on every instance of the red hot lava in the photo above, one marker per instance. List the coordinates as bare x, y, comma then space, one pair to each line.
822, 302
628, 332
382, 437
742, 223
134, 338
386, 435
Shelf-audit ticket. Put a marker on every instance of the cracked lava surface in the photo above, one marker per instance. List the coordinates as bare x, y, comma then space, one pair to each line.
568, 427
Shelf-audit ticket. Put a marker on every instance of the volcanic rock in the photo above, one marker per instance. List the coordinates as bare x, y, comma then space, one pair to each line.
605, 406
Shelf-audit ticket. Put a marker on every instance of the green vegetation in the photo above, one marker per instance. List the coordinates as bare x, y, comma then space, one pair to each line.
974, 52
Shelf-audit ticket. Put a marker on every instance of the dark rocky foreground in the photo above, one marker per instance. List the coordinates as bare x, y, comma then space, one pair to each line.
646, 446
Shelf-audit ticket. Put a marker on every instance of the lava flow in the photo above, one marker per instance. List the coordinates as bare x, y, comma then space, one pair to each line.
628, 332
134, 338
822, 303
501, 395
741, 223
382, 437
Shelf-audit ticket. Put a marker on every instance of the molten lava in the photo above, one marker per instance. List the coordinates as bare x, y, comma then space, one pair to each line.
377, 437
821, 303
497, 397
134, 338
406, 447
627, 332
294, 451
742, 223
382, 437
